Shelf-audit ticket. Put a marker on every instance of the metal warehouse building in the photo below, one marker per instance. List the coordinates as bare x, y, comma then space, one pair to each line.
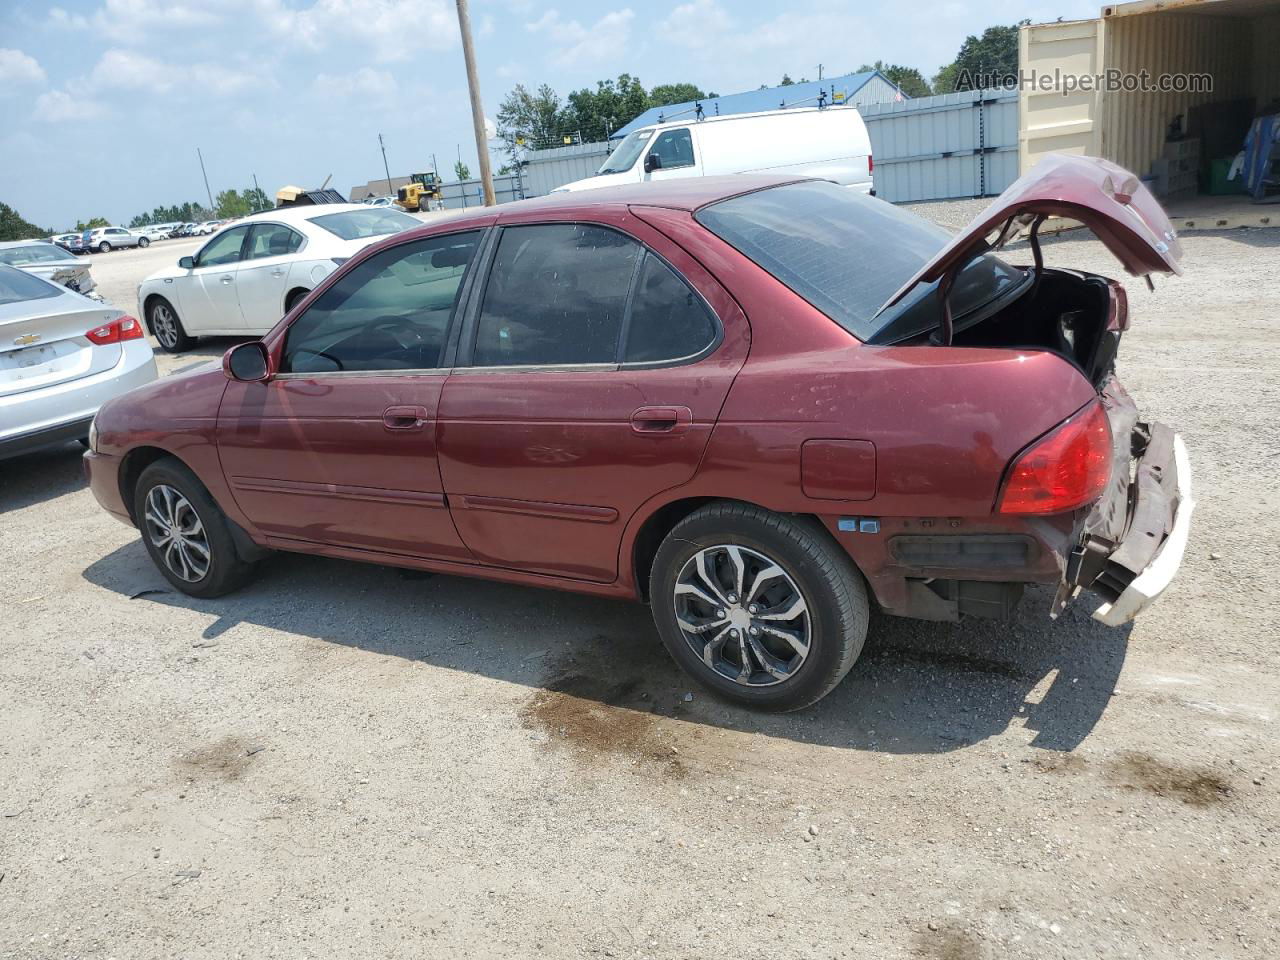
1236, 42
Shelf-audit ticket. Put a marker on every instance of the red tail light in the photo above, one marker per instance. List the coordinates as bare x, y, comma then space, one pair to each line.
118, 330
1065, 469
871, 164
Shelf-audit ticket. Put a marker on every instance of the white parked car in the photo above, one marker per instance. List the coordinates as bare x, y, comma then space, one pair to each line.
155, 231
829, 143
251, 274
61, 357
50, 262
380, 201
206, 228
104, 239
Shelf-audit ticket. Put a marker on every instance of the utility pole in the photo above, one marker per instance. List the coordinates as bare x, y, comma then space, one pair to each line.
257, 192
819, 72
477, 110
385, 168
207, 191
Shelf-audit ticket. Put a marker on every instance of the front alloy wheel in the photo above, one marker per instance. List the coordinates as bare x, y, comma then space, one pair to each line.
177, 533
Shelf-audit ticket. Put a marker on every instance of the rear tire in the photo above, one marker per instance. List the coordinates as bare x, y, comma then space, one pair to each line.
788, 609
104, 247
291, 301
144, 242
166, 326
186, 533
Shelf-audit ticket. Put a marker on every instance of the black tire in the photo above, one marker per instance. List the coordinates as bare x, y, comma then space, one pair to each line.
832, 589
104, 247
167, 327
291, 301
225, 571
144, 242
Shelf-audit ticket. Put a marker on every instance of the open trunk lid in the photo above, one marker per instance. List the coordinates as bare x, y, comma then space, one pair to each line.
1106, 198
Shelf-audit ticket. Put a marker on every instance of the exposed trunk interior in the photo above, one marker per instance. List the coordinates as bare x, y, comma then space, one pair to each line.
1078, 316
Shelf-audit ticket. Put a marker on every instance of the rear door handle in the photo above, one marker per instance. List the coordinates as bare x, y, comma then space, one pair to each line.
277, 273
662, 421
404, 418
228, 279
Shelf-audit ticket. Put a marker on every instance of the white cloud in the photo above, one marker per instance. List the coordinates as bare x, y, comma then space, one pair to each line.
131, 20
127, 70
392, 29
58, 106
365, 82
18, 68
603, 40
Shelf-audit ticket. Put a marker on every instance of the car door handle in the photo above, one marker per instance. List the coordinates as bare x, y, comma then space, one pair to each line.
277, 273
663, 421
228, 279
404, 418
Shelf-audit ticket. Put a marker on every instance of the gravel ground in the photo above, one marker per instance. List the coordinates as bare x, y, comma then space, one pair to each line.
346, 760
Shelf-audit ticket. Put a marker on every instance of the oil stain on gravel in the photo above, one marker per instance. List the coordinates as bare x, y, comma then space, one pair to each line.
946, 943
597, 720
1197, 787
226, 760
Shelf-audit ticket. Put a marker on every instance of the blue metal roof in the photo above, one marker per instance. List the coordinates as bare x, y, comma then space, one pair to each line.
754, 101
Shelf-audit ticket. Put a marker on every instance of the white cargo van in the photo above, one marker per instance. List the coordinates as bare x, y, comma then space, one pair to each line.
830, 143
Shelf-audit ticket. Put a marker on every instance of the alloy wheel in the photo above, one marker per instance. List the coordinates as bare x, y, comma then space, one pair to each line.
175, 530
165, 325
743, 615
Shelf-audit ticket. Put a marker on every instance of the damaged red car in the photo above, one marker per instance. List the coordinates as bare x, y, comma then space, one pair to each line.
759, 405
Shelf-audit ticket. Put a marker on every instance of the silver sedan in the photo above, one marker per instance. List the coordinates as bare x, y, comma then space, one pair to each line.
49, 261
62, 356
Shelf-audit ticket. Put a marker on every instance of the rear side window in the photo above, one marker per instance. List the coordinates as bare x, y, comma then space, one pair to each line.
668, 320
273, 240
556, 295
371, 222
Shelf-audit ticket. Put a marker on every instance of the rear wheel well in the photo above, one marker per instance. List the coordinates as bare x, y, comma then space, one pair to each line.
664, 520
291, 299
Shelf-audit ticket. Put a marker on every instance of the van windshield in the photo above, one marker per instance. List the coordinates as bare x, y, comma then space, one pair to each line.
628, 151
847, 253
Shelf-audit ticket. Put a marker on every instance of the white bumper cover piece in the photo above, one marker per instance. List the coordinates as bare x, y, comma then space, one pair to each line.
1159, 573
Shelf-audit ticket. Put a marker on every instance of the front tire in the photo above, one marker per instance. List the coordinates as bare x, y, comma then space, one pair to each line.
186, 533
167, 328
762, 608
144, 242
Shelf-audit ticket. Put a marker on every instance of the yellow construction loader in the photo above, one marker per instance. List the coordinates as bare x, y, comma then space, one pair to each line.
419, 193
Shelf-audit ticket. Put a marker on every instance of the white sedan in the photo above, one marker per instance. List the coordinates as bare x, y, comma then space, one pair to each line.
248, 276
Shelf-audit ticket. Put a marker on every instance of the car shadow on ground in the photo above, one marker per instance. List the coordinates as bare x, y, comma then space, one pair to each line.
41, 475
918, 687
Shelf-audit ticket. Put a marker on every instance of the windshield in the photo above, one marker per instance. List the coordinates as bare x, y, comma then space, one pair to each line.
358, 224
16, 286
847, 253
35, 253
627, 152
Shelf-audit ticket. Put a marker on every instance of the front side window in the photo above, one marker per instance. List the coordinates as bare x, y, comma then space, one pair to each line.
272, 240
674, 148
222, 249
668, 320
371, 222
391, 312
556, 295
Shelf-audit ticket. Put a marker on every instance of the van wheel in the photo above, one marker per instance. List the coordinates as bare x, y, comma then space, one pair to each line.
167, 327
186, 533
762, 608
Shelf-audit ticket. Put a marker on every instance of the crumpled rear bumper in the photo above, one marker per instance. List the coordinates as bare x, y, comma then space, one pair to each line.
1135, 575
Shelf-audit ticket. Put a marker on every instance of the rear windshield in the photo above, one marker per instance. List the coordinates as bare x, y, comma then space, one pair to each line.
16, 286
846, 253
35, 253
358, 224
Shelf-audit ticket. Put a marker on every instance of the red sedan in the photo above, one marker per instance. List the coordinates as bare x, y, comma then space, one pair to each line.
757, 404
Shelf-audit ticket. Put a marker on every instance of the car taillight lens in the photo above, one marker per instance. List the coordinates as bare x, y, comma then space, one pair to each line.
118, 330
871, 164
1065, 469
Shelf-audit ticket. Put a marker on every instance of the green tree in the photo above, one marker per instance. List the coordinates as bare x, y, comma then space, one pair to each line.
668, 93
985, 61
532, 117
230, 203
93, 223
258, 199
13, 227
597, 113
909, 80
786, 81
461, 171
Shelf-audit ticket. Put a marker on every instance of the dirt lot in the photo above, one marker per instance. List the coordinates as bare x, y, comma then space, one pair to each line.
347, 761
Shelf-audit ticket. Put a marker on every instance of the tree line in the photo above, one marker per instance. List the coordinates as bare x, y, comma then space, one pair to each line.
539, 118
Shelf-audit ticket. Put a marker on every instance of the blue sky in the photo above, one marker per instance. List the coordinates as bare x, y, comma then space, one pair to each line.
103, 103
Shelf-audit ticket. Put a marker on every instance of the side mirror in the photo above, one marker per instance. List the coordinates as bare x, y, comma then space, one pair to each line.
187, 263
247, 362
652, 162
